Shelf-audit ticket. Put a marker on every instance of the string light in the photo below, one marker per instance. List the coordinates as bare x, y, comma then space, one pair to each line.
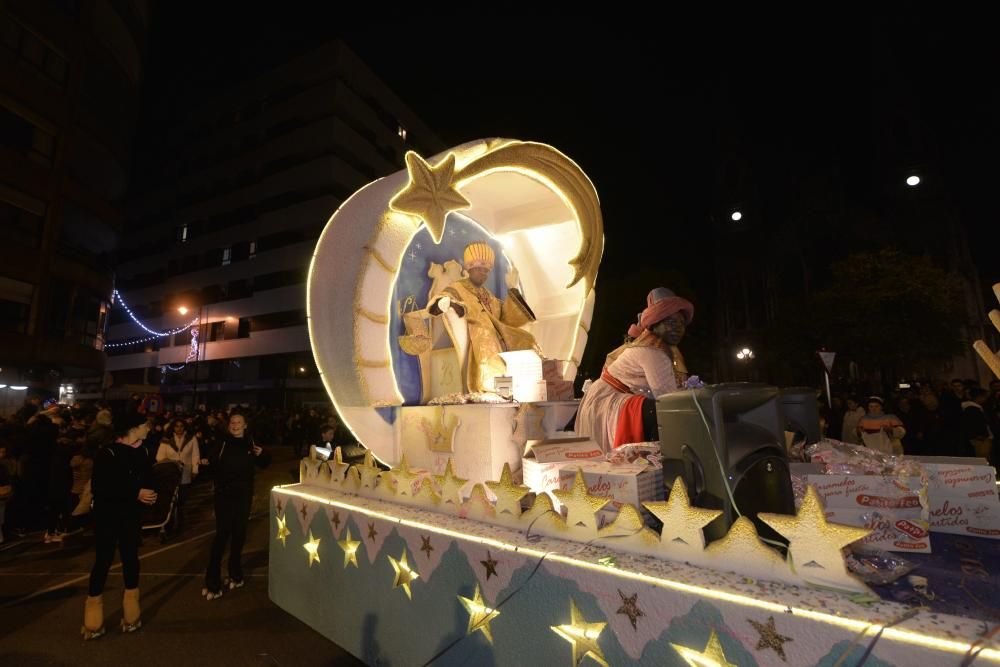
116, 297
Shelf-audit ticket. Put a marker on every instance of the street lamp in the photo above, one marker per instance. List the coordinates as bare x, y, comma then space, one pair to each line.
913, 181
736, 216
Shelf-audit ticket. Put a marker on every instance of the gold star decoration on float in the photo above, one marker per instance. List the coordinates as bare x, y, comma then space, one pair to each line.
425, 545
769, 637
742, 542
680, 520
580, 505
404, 478
350, 547
450, 485
369, 471
337, 466
630, 607
811, 540
712, 656
491, 566
312, 547
427, 493
582, 635
404, 573
508, 494
283, 531
630, 526
430, 193
480, 615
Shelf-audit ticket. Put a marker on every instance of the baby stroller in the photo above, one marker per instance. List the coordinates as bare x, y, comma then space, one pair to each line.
162, 513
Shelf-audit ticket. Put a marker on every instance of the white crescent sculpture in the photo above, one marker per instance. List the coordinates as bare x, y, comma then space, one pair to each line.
533, 200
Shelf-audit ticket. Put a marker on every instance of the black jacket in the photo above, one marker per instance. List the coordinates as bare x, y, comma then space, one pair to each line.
235, 464
119, 472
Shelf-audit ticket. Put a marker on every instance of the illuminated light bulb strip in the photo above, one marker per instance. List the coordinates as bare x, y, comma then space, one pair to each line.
193, 351
852, 624
117, 296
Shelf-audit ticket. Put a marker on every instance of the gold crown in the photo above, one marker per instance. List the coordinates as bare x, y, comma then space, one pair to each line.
478, 255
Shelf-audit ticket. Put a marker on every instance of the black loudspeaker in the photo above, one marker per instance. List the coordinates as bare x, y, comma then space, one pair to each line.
740, 425
801, 416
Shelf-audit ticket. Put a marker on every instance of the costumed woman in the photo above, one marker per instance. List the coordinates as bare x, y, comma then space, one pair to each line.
620, 407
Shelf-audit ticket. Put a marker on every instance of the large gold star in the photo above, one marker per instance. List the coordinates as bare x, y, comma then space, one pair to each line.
427, 493
479, 614
337, 466
312, 546
630, 526
508, 494
350, 548
451, 486
404, 573
680, 520
712, 656
812, 542
741, 547
430, 193
283, 531
369, 471
582, 635
580, 505
404, 478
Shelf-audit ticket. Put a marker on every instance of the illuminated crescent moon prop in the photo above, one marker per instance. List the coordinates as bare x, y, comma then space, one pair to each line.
531, 201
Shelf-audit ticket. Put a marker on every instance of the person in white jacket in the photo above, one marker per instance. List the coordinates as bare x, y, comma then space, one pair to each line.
849, 430
180, 446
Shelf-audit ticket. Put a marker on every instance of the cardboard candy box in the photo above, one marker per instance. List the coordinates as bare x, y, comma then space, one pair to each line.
893, 508
632, 483
543, 461
963, 499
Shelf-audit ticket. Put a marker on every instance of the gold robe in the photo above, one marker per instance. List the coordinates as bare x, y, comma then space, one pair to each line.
492, 329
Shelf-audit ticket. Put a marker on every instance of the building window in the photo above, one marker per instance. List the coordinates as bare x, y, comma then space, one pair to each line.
227, 256
253, 249
22, 226
217, 331
15, 304
32, 49
401, 131
182, 233
26, 137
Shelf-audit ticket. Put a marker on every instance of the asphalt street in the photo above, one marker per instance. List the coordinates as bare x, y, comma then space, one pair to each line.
43, 588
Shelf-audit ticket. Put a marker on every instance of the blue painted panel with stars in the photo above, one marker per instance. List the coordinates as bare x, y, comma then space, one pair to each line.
362, 610
413, 283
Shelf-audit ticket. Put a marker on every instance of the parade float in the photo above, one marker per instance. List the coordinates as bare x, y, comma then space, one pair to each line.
479, 529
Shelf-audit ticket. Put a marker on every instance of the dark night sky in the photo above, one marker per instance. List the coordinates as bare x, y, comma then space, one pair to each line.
642, 105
